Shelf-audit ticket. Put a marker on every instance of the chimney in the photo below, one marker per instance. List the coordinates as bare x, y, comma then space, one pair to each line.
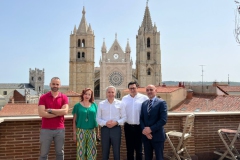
189, 94
179, 84
164, 85
12, 100
183, 85
215, 84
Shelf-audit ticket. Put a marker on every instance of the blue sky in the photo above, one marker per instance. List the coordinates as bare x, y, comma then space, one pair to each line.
35, 34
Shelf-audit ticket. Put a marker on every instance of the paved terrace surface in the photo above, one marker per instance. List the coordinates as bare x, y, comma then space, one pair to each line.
19, 136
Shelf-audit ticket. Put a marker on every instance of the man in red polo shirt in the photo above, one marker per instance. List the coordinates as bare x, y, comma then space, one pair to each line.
52, 107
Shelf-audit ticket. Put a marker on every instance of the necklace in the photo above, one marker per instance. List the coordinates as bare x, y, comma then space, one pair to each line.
86, 116
87, 108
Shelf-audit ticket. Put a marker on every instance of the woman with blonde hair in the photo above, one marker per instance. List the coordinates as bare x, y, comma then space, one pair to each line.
84, 124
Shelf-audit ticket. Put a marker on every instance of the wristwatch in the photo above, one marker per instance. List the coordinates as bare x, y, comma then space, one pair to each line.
50, 111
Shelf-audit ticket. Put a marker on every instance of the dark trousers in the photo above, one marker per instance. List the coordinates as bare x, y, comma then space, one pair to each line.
133, 137
149, 146
111, 136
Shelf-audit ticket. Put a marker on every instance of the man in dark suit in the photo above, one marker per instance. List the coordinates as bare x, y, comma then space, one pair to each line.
152, 119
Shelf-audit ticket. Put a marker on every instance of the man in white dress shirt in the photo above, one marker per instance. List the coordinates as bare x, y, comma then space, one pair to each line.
111, 113
133, 133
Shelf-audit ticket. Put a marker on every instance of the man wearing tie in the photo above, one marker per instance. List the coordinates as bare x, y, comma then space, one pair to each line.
152, 119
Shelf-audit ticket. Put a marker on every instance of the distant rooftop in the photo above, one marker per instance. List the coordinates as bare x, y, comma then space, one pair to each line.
72, 94
19, 109
30, 92
160, 89
229, 88
206, 103
15, 85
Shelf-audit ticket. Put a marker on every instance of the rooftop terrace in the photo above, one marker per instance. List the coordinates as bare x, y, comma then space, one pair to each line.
19, 136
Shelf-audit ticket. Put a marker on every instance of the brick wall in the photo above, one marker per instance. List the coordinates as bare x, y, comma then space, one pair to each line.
19, 139
206, 138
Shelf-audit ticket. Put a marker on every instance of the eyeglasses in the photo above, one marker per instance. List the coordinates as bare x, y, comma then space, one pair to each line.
148, 90
132, 88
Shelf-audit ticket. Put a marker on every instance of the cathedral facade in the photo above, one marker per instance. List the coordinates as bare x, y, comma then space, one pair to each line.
116, 63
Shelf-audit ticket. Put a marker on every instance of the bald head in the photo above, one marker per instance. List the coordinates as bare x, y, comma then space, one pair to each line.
151, 91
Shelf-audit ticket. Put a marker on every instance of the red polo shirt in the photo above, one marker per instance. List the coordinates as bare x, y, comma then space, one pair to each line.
54, 103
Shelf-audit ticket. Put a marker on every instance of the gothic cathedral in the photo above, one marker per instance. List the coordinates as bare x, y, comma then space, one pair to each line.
115, 64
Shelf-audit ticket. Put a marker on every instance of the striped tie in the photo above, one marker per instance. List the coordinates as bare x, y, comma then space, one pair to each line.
149, 105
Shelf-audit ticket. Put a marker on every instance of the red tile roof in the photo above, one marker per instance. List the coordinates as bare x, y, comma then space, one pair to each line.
64, 86
204, 103
20, 109
160, 89
230, 88
72, 94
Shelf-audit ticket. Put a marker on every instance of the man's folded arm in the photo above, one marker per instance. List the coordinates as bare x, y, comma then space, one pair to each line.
62, 111
43, 113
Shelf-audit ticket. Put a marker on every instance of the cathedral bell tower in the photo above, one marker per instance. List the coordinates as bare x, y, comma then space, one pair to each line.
36, 79
81, 64
148, 53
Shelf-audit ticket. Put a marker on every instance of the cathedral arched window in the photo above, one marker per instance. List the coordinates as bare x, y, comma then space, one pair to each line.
83, 55
83, 43
118, 95
148, 71
148, 56
79, 43
78, 55
148, 42
39, 89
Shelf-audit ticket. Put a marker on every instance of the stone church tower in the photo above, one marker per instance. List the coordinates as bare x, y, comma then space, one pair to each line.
81, 64
148, 53
36, 79
115, 68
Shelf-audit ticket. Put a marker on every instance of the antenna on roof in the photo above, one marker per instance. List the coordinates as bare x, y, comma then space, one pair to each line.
202, 76
228, 80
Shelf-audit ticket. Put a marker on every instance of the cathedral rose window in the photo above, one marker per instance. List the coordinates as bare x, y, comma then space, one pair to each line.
115, 79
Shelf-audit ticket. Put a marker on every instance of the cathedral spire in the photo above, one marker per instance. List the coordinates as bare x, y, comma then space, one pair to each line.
104, 48
83, 26
147, 22
74, 30
128, 48
90, 29
116, 40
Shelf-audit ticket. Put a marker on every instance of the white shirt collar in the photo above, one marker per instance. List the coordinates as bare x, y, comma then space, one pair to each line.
153, 99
